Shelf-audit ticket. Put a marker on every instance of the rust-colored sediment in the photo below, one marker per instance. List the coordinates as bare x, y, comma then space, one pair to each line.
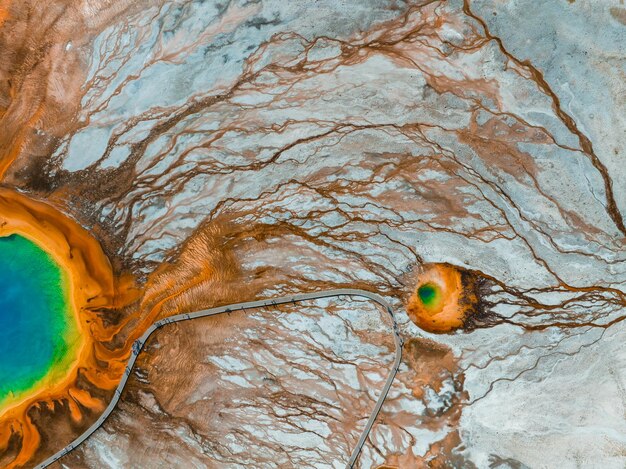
457, 303
203, 275
430, 366
93, 288
42, 74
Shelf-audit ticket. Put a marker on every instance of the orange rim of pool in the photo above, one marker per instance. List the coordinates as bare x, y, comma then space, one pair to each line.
435, 305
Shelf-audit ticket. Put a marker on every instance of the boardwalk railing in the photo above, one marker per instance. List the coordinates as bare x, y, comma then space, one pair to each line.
139, 343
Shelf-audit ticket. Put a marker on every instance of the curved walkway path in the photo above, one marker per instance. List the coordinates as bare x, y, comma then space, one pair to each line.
139, 343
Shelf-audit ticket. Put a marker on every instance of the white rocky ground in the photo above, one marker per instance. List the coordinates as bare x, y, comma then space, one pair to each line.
343, 144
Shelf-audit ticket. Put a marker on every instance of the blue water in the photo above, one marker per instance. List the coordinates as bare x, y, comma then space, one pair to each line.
33, 315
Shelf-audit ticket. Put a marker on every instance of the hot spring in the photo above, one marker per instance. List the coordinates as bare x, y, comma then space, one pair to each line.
39, 336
